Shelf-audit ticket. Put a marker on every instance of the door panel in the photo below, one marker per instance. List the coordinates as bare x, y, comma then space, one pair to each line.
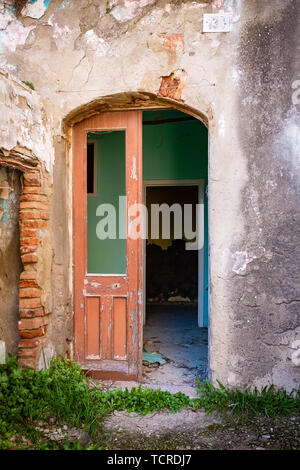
92, 326
119, 328
108, 307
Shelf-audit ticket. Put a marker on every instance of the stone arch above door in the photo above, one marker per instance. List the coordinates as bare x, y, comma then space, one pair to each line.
129, 101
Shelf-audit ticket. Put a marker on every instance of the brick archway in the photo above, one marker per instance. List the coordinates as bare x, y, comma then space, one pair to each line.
33, 223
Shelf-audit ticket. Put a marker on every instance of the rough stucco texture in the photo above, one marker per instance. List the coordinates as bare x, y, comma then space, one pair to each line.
268, 290
77, 52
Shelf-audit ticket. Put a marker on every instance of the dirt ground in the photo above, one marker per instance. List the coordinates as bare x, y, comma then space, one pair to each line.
189, 429
200, 431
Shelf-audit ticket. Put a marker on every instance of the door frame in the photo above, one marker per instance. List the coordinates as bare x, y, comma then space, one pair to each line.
200, 183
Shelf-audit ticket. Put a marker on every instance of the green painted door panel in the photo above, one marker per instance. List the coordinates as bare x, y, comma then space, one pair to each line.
107, 256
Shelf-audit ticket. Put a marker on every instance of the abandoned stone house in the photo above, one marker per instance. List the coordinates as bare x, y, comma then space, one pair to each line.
195, 102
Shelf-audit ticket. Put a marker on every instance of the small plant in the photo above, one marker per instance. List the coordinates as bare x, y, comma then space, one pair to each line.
29, 84
145, 400
267, 402
61, 391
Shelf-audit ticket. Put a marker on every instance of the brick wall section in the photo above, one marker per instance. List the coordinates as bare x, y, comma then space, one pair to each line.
34, 216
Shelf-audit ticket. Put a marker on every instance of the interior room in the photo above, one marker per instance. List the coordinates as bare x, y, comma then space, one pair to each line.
176, 278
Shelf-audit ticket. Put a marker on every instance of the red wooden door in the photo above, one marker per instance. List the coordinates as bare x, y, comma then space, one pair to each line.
108, 308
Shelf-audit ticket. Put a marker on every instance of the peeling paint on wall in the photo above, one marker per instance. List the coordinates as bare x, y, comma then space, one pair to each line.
240, 260
227, 6
36, 8
62, 5
12, 31
5, 196
95, 43
130, 10
172, 85
173, 41
59, 32
23, 122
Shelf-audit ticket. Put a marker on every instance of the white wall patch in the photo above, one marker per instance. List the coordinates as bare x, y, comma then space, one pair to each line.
217, 22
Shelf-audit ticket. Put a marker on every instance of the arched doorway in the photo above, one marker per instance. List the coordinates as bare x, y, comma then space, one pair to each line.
108, 289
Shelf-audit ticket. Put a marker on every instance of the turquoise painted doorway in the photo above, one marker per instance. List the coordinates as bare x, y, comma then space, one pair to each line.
175, 151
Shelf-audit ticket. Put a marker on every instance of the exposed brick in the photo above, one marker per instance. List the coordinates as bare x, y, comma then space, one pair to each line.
34, 197
29, 258
32, 214
173, 41
33, 205
30, 343
27, 249
30, 232
29, 241
29, 293
27, 362
31, 312
30, 303
30, 352
27, 334
28, 283
28, 267
28, 275
45, 215
33, 224
31, 179
29, 214
31, 190
32, 323
172, 85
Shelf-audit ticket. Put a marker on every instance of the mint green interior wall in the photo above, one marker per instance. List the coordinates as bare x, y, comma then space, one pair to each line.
174, 151
107, 256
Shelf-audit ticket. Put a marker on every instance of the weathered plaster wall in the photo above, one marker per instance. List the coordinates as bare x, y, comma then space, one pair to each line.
241, 82
26, 144
268, 287
24, 127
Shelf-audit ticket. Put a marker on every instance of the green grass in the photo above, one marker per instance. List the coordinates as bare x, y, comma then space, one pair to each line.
63, 392
268, 401
145, 400
29, 84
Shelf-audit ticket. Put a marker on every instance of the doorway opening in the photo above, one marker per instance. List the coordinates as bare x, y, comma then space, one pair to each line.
119, 156
175, 332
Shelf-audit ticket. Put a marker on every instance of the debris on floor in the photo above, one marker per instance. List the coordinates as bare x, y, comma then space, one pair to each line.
152, 359
172, 331
178, 298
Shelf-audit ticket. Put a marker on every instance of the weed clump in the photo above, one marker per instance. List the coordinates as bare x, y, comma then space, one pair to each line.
29, 84
268, 401
64, 392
